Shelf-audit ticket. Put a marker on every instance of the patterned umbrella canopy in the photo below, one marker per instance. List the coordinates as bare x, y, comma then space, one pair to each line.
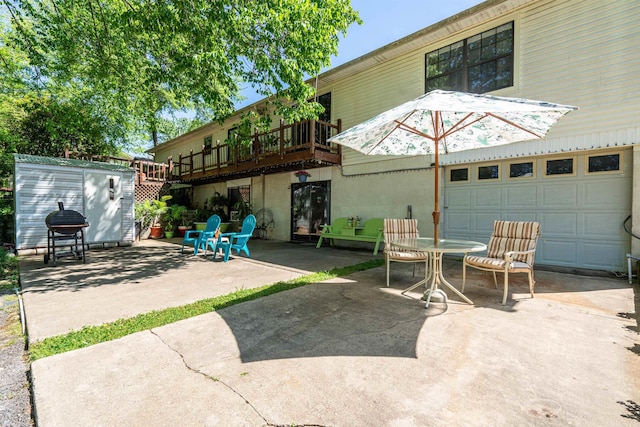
444, 122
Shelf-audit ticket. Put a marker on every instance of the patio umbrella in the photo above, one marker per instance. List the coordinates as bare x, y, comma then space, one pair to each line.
443, 122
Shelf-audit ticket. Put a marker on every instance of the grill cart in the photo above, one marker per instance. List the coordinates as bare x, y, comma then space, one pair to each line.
66, 228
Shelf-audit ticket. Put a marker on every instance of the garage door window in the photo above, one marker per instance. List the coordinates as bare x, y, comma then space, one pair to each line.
458, 175
606, 163
560, 167
488, 172
522, 170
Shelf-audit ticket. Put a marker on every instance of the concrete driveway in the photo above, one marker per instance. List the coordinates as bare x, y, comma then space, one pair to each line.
349, 352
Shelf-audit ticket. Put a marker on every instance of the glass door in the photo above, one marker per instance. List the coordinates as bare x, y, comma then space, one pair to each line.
309, 209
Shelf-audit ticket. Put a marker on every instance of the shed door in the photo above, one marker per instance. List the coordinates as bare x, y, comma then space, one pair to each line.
103, 206
580, 212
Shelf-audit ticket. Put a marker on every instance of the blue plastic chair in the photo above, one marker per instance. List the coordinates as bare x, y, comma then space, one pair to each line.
198, 238
237, 241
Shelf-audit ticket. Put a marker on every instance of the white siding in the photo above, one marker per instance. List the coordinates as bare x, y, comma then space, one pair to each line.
38, 191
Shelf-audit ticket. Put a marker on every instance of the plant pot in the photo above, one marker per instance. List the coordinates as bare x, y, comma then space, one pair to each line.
200, 225
156, 232
168, 234
182, 229
302, 178
224, 227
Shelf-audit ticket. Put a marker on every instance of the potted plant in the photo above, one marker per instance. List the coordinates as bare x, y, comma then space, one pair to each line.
171, 217
219, 205
149, 214
156, 209
302, 175
242, 209
201, 217
186, 221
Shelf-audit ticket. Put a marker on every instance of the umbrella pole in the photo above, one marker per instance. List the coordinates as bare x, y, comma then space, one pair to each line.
436, 206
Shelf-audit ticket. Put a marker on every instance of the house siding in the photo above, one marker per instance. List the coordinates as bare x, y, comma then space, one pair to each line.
583, 53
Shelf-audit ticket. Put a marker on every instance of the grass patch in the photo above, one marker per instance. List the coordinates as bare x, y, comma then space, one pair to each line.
90, 335
8, 271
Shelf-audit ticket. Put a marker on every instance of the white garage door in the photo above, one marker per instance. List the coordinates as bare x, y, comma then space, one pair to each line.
581, 202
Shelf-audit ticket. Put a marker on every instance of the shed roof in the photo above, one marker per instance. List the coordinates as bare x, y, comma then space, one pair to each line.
60, 161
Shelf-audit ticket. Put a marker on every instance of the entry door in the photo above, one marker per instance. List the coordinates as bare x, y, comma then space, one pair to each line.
309, 209
103, 206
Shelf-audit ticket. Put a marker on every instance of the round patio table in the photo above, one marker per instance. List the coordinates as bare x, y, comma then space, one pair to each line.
436, 250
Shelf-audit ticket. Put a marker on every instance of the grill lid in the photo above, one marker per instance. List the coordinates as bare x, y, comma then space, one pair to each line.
64, 217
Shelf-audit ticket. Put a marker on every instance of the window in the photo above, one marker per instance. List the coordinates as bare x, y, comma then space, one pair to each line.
325, 101
521, 170
208, 142
606, 163
457, 175
560, 167
488, 172
478, 64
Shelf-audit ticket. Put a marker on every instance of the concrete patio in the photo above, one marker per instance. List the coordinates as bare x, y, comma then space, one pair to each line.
349, 352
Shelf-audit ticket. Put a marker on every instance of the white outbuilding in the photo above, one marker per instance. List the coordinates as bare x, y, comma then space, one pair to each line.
102, 192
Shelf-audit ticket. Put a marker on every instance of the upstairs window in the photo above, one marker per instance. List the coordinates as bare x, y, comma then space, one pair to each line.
208, 143
478, 64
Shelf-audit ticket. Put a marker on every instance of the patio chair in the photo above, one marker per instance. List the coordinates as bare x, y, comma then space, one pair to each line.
511, 249
398, 229
198, 238
237, 241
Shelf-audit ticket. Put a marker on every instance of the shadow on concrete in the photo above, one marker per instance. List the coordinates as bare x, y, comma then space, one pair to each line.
341, 318
104, 267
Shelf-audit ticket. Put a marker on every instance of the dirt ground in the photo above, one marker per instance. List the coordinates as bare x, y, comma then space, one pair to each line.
15, 400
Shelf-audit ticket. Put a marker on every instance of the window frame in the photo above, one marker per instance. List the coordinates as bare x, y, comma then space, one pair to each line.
464, 73
574, 161
451, 169
488, 165
533, 168
609, 172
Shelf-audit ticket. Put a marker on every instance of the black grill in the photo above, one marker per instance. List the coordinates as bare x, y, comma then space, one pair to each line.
66, 227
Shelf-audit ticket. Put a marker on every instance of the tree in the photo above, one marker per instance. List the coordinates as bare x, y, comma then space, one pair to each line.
49, 128
138, 60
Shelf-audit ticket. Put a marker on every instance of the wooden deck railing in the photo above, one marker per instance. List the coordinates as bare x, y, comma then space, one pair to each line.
146, 170
301, 140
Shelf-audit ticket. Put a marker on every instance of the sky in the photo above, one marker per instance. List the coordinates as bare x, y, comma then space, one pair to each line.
385, 21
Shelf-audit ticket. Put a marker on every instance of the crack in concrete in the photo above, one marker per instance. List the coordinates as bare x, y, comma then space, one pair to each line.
209, 377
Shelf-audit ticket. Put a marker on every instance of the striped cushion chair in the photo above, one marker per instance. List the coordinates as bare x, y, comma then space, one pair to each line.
398, 229
511, 249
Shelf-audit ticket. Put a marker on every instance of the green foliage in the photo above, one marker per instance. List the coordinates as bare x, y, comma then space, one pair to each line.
90, 335
244, 209
49, 127
219, 205
173, 216
6, 218
150, 212
8, 270
136, 61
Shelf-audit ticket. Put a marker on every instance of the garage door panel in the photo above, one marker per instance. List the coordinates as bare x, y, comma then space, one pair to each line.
603, 255
522, 196
485, 220
460, 222
556, 252
458, 197
527, 215
488, 196
607, 193
560, 224
559, 195
601, 225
